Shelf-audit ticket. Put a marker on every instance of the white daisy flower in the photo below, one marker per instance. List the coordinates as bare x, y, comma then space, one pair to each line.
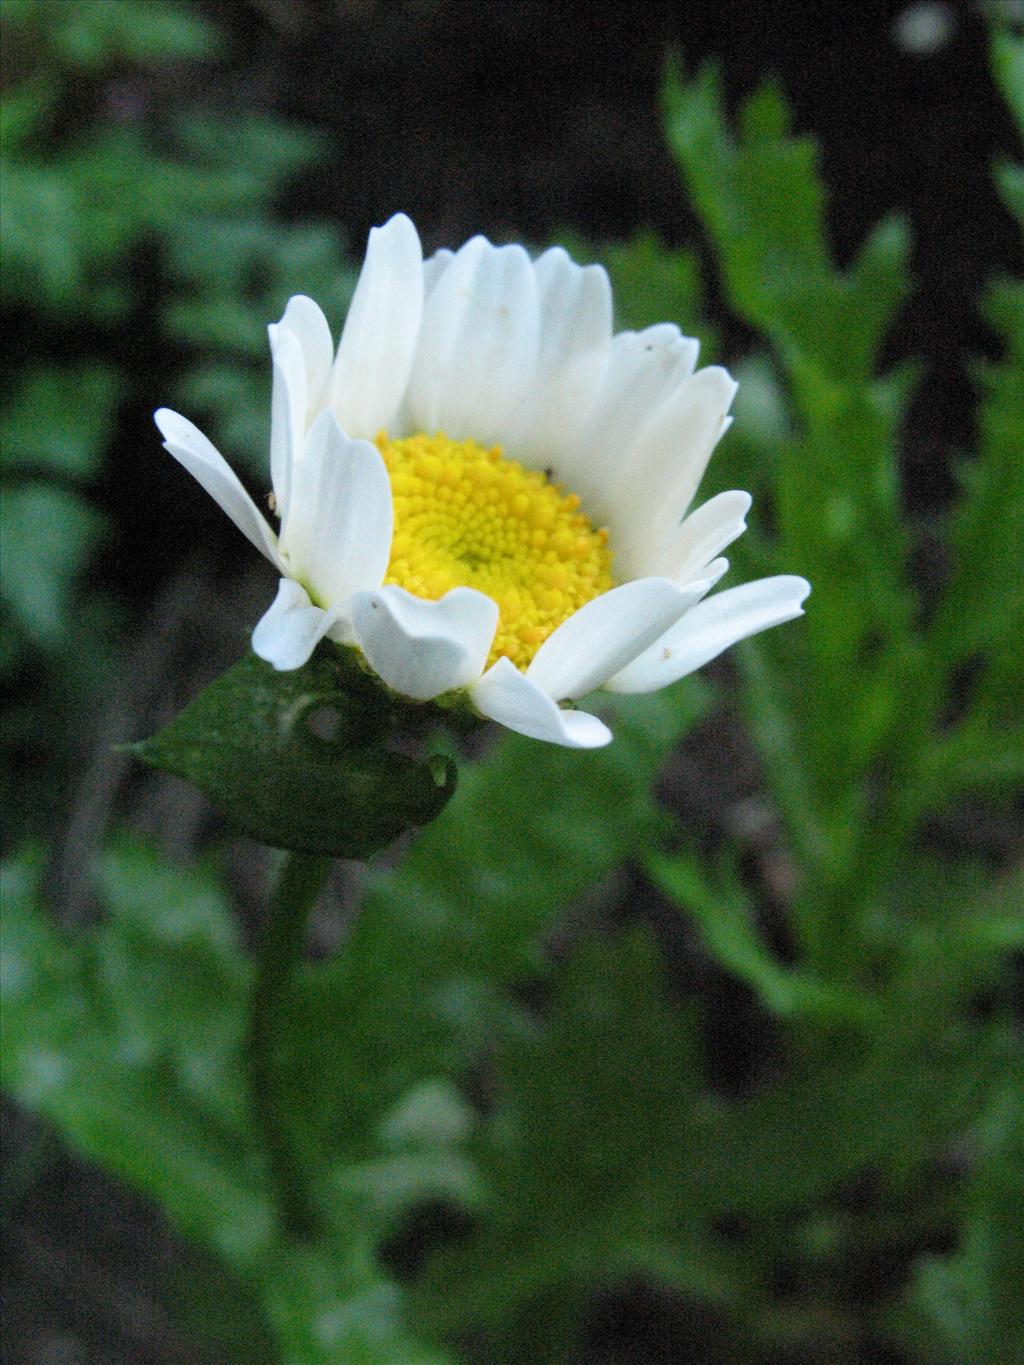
485, 491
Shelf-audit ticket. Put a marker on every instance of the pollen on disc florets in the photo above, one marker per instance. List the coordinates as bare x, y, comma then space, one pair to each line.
469, 517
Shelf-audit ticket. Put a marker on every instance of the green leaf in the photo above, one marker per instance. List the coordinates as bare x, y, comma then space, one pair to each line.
1008, 69
220, 1308
417, 1155
169, 905
973, 1296
726, 923
58, 420
39, 237
332, 1306
24, 108
253, 743
171, 957
439, 939
1010, 183
47, 533
839, 515
980, 614
90, 37
890, 1099
128, 1038
578, 1076
965, 924
239, 159
878, 284
583, 1159
654, 283
136, 1080
763, 204
533, 827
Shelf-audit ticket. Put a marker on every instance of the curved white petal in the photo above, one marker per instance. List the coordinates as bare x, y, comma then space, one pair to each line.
423, 648
379, 340
206, 464
433, 268
712, 627
660, 470
509, 697
338, 535
703, 535
642, 369
709, 576
477, 351
291, 628
604, 635
575, 340
303, 318
287, 413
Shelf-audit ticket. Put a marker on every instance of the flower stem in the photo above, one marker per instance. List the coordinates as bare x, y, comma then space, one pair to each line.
301, 879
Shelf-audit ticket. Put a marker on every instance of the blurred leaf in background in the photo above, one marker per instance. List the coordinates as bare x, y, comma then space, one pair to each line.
144, 235
138, 1061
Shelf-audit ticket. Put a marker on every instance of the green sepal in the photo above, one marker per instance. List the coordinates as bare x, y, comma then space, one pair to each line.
301, 759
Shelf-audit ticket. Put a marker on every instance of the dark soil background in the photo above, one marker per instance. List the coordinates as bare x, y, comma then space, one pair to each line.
519, 118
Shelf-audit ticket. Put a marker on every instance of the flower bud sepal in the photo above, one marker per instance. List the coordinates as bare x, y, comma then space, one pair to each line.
307, 759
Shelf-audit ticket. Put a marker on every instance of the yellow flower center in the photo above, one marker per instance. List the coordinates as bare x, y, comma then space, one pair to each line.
469, 517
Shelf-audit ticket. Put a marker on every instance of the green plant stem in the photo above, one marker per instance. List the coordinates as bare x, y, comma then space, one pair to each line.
301, 879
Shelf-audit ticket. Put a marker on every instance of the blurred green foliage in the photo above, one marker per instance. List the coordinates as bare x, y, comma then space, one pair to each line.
552, 1104
149, 229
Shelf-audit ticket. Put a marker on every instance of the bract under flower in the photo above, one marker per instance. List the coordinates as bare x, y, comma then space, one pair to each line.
486, 491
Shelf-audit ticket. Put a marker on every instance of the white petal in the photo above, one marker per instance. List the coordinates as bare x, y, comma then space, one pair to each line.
604, 635
379, 340
306, 322
712, 627
643, 367
433, 268
477, 352
709, 576
661, 469
287, 413
575, 340
703, 535
509, 697
205, 463
338, 535
291, 628
423, 648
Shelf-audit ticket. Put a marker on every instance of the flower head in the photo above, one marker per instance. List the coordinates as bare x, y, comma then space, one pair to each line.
485, 491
